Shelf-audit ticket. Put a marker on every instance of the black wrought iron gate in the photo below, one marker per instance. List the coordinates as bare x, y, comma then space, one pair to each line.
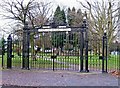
57, 49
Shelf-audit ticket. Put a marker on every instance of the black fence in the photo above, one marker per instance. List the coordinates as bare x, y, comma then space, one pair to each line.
60, 49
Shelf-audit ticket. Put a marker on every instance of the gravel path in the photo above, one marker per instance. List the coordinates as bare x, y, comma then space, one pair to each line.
56, 78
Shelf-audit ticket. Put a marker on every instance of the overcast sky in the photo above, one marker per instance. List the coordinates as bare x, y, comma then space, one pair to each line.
62, 3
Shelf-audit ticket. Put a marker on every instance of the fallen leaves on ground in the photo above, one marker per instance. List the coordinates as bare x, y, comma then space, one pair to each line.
115, 73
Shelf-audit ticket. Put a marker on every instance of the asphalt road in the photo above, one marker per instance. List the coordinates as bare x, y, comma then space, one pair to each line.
56, 78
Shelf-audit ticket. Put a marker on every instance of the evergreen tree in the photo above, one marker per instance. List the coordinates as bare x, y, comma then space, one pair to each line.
2, 40
73, 9
74, 19
69, 18
63, 17
73, 15
59, 17
78, 18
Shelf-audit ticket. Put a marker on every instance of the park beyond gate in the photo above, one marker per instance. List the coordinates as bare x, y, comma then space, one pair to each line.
59, 48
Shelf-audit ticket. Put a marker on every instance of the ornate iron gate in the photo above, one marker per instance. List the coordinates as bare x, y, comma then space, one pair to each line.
58, 49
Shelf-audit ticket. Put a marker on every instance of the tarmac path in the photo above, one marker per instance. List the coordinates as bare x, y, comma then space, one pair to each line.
56, 78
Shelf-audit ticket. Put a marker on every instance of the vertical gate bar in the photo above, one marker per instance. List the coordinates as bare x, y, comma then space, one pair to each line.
65, 49
54, 43
33, 55
66, 42
96, 55
115, 56
99, 55
93, 55
74, 50
86, 57
43, 49
118, 54
106, 52
17, 50
90, 55
21, 52
53, 63
48, 49
3, 51
93, 52
118, 58
23, 57
42, 54
2, 56
60, 49
81, 50
53, 47
69, 53
77, 51
28, 41
63, 53
103, 54
33, 58
51, 50
14, 63
23, 62
86, 49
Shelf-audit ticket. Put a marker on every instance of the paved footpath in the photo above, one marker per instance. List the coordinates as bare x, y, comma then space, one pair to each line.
56, 78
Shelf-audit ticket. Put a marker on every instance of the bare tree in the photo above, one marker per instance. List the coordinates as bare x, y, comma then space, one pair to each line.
16, 10
74, 17
41, 13
118, 22
101, 17
35, 12
38, 16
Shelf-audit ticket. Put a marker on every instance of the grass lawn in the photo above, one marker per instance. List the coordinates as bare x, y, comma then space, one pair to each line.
44, 61
40, 62
93, 61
